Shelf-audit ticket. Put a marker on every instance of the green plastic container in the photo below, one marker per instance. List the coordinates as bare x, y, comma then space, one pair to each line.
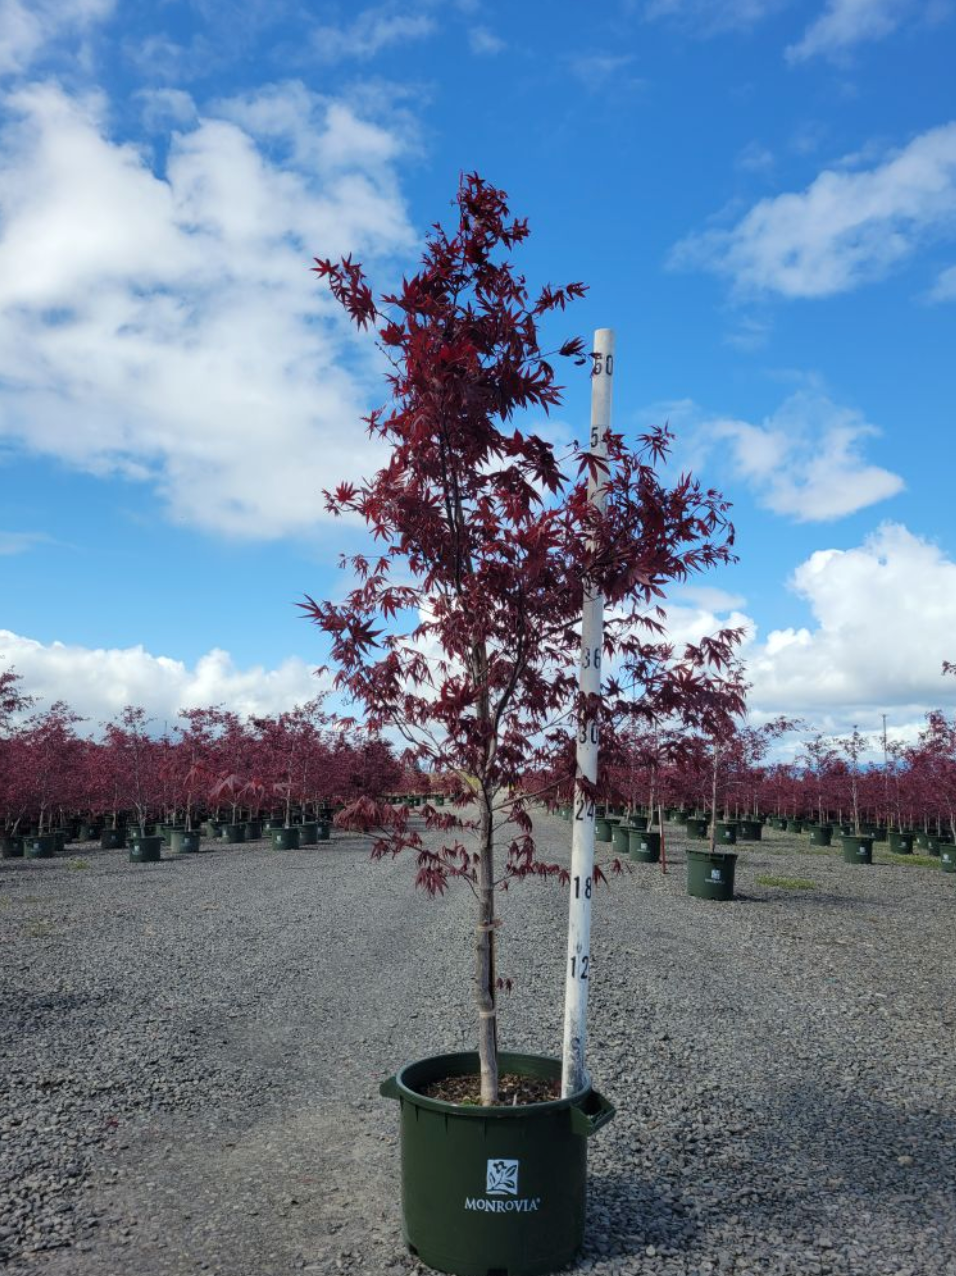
39, 846
710, 874
644, 846
232, 833
112, 839
11, 846
308, 833
947, 858
857, 850
619, 837
286, 839
638, 821
794, 826
184, 843
602, 829
146, 850
901, 843
725, 833
749, 831
493, 1191
324, 831
696, 826
933, 844
253, 830
820, 834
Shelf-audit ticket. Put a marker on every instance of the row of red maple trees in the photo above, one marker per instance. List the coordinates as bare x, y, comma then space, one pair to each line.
214, 762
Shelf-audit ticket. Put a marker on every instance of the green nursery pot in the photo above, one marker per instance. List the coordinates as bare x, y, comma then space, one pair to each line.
725, 833
901, 843
286, 839
490, 1190
749, 831
184, 843
710, 874
820, 834
644, 847
857, 850
308, 833
146, 850
619, 837
39, 846
232, 833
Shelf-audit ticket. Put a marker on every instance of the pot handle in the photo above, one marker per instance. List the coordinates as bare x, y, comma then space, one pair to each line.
588, 1123
389, 1088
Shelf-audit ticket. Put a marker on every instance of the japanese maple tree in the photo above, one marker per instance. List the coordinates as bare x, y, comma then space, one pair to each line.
461, 631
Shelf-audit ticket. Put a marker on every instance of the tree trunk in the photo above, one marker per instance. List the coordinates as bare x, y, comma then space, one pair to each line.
485, 955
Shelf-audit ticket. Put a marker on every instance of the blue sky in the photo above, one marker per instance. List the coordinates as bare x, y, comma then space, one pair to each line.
760, 194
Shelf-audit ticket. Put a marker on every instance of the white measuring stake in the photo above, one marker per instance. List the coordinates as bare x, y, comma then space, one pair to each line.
578, 973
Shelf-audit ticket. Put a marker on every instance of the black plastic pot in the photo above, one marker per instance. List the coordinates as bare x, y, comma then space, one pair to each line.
749, 831
308, 833
710, 874
324, 831
112, 839
493, 1190
286, 839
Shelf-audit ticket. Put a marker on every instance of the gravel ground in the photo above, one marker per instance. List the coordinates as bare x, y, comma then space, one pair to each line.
190, 1051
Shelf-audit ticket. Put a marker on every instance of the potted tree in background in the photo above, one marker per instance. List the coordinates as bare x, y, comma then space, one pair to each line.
471, 654
13, 701
857, 846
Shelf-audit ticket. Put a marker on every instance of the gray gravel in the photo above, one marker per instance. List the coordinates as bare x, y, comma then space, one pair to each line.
190, 1051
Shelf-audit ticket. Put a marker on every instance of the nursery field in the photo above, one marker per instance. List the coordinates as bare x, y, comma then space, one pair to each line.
191, 1053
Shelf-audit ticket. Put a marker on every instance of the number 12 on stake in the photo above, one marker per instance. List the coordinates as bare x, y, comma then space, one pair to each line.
585, 962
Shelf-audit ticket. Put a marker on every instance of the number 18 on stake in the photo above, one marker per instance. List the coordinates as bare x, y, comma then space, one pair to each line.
573, 1073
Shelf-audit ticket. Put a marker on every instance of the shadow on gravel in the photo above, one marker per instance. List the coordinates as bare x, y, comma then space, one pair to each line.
835, 1145
627, 1212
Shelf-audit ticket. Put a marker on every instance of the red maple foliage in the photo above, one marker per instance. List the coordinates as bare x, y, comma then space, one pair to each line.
470, 649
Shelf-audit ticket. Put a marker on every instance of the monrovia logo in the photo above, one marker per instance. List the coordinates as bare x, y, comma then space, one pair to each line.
501, 1179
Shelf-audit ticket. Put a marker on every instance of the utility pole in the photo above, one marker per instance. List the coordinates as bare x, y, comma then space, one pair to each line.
578, 973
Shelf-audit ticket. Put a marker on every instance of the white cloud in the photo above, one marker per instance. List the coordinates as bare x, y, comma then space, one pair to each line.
26, 29
373, 30
20, 542
706, 17
845, 229
845, 23
945, 287
885, 619
598, 70
805, 461
99, 682
483, 41
755, 158
165, 326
